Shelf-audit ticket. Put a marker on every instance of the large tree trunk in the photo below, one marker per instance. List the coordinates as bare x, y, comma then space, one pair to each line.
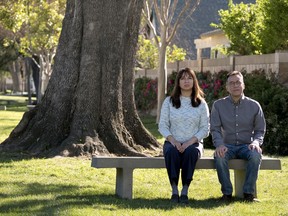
88, 107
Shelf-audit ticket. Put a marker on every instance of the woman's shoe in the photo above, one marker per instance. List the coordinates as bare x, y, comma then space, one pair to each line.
175, 198
184, 199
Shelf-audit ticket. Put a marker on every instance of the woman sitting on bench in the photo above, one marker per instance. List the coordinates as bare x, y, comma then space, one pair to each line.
184, 122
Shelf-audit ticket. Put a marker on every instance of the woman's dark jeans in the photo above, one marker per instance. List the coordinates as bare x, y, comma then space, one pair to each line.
186, 161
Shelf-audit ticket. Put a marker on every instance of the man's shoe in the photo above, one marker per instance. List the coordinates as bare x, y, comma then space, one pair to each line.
183, 199
175, 198
226, 198
250, 198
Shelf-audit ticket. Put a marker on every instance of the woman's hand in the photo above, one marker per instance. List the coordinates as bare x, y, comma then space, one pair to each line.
178, 146
188, 143
183, 147
174, 142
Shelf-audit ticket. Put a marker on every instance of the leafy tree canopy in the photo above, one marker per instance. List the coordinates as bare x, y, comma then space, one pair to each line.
34, 25
148, 55
275, 33
258, 28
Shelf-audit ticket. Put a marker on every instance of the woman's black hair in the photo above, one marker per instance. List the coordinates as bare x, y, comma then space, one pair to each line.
197, 94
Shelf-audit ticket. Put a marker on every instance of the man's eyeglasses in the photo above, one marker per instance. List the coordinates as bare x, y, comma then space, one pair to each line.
236, 84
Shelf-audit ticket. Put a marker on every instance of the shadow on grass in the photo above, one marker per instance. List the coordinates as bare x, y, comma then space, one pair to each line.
8, 157
102, 200
36, 198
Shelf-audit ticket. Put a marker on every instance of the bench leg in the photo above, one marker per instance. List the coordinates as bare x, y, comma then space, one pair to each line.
124, 182
239, 179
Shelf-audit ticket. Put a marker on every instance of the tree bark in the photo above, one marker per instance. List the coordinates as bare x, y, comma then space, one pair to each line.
162, 77
14, 69
88, 107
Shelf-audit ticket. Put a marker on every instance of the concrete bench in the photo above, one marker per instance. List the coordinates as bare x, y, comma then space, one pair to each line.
3, 107
30, 106
125, 166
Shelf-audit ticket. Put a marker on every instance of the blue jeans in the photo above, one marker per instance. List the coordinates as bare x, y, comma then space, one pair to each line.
240, 152
186, 161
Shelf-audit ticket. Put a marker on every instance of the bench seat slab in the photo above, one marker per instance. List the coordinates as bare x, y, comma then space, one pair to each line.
125, 166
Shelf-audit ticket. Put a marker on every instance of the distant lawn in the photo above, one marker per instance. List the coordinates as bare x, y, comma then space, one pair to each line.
70, 186
14, 103
9, 118
150, 124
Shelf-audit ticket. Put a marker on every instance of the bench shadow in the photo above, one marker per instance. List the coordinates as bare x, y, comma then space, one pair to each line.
69, 197
104, 200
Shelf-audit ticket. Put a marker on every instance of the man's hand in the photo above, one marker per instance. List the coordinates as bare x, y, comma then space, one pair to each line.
220, 151
255, 146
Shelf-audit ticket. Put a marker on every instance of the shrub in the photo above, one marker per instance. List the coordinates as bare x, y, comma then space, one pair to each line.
272, 97
274, 101
145, 93
213, 85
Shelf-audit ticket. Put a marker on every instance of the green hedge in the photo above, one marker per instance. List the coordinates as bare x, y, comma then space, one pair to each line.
272, 97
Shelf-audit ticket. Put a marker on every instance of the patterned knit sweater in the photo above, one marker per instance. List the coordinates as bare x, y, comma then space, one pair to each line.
185, 122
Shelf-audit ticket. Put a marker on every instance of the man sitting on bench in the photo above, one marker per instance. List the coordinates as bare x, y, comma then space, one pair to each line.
237, 127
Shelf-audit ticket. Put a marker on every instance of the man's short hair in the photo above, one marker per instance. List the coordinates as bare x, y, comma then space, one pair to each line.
233, 73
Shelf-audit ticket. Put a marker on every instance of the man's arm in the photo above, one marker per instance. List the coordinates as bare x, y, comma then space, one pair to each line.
259, 126
259, 130
215, 126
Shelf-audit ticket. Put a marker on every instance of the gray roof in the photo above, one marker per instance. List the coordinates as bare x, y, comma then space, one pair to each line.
199, 23
210, 33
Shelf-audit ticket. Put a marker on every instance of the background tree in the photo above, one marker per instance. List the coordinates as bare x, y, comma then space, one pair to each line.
44, 23
242, 23
8, 57
34, 26
274, 35
8, 51
169, 15
89, 106
147, 54
10, 32
258, 28
176, 54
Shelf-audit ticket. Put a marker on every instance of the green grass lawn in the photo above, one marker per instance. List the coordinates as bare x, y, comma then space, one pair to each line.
9, 118
70, 186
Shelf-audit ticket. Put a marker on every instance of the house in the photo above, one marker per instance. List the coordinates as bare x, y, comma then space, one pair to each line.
209, 42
